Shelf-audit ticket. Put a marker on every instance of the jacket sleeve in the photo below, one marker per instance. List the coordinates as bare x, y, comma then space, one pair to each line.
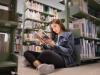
66, 47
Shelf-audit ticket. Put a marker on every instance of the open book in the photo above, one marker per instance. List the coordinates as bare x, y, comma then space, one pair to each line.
42, 35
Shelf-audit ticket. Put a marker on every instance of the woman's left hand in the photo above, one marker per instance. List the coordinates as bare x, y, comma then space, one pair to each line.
50, 42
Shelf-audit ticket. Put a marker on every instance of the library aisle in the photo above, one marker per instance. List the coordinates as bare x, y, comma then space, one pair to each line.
88, 69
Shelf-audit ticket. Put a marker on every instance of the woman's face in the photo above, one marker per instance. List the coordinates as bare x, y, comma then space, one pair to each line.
56, 28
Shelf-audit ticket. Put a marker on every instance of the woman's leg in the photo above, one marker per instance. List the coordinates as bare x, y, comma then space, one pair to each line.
31, 57
45, 61
50, 57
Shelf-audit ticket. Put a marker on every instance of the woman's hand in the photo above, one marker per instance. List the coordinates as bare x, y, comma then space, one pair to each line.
49, 41
43, 40
40, 39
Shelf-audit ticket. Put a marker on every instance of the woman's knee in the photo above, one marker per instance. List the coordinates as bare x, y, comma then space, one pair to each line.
47, 53
26, 53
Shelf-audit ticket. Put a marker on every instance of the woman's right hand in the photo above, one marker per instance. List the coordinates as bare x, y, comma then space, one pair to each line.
40, 39
50, 42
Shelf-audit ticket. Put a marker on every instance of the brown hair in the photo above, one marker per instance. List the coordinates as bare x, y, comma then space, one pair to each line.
59, 22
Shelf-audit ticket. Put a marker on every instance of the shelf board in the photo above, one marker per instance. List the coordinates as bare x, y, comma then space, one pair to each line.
88, 16
33, 29
28, 43
94, 58
89, 38
40, 12
19, 28
8, 23
37, 20
5, 2
20, 21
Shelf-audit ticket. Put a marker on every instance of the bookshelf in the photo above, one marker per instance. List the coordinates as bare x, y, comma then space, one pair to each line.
18, 36
8, 24
37, 16
85, 25
8, 17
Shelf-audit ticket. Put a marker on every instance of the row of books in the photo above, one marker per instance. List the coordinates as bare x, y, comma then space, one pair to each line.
20, 25
32, 48
84, 7
86, 48
32, 35
4, 44
32, 42
82, 4
84, 28
20, 18
38, 16
40, 7
33, 25
29, 37
98, 50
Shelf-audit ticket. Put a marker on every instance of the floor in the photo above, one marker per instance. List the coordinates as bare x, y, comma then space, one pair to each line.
90, 69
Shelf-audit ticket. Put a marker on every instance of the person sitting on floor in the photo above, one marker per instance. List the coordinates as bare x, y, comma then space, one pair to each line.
54, 55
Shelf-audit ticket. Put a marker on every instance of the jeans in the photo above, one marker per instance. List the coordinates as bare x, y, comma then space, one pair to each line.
48, 57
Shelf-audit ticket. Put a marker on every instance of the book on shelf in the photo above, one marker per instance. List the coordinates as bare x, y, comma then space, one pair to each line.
4, 43
35, 10
34, 36
86, 48
84, 6
84, 27
2, 36
28, 37
81, 5
33, 24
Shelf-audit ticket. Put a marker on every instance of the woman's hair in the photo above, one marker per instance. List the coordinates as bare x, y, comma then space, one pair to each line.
59, 22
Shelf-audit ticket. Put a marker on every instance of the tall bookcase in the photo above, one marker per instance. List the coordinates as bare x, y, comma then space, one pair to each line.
8, 10
18, 36
86, 14
36, 16
8, 24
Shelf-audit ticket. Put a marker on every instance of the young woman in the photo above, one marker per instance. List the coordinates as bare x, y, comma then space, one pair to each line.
55, 55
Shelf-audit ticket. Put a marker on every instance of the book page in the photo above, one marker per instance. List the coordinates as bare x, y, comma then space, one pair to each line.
42, 34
